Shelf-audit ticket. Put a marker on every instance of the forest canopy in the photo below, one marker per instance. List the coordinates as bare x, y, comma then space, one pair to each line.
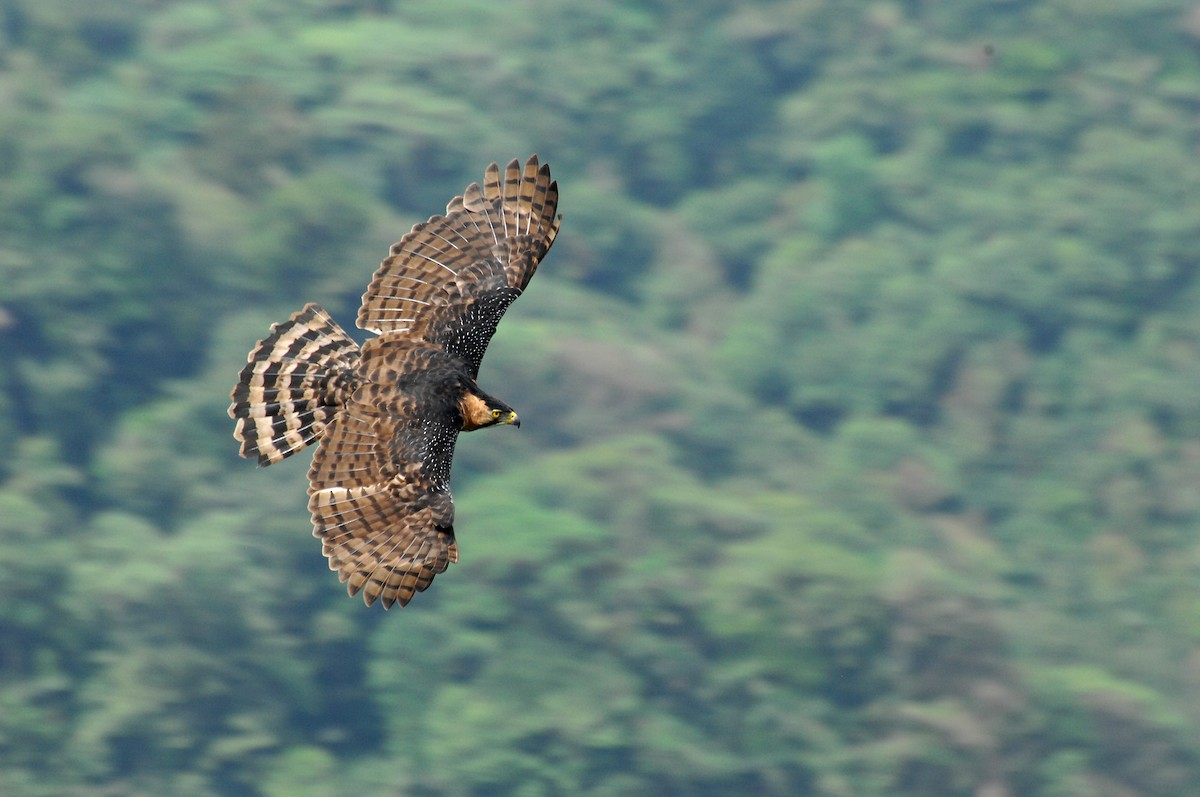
860, 449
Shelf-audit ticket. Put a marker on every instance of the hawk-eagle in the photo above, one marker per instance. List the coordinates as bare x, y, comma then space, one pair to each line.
387, 415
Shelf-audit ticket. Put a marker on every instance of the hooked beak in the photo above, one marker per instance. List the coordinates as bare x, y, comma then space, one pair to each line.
513, 419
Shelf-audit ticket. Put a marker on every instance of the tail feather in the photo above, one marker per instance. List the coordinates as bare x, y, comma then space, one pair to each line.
294, 381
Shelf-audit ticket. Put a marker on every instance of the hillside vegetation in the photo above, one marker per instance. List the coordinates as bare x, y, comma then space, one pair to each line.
861, 441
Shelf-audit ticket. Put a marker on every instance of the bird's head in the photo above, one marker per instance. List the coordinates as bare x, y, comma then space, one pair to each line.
502, 413
479, 411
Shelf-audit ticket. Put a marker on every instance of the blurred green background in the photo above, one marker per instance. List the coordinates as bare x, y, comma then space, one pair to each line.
861, 443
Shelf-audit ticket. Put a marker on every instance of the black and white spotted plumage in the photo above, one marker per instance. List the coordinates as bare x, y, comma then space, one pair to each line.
388, 415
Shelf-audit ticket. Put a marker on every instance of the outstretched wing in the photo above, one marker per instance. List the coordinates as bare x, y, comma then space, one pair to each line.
449, 281
379, 482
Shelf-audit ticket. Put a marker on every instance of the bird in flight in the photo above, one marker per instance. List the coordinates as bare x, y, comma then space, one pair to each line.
387, 415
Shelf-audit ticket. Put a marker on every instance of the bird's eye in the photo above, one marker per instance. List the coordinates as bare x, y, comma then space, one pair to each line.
495, 413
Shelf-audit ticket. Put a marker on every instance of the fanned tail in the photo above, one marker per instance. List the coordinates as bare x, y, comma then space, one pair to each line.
294, 381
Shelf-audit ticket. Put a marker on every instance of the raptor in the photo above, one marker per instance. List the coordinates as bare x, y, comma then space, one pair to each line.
386, 415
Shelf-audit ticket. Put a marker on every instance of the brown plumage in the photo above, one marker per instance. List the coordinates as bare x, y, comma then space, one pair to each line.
388, 415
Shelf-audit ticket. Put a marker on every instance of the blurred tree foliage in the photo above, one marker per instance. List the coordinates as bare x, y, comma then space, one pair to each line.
862, 442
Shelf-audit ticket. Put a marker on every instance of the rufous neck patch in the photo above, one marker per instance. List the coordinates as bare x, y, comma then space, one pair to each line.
475, 412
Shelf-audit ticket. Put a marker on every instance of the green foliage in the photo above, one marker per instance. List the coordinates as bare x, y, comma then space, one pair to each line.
860, 441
